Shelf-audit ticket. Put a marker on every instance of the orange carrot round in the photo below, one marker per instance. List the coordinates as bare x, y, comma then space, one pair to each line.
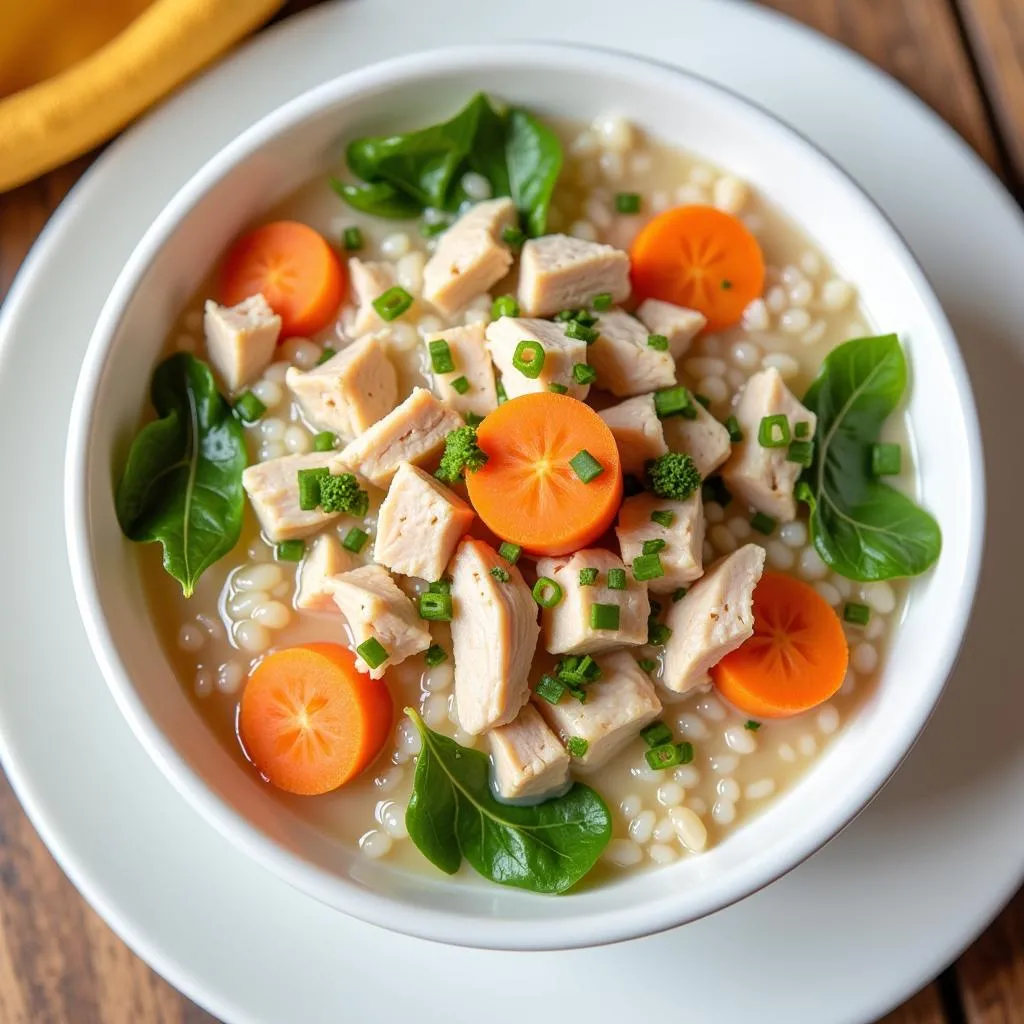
310, 721
298, 273
701, 258
533, 490
796, 658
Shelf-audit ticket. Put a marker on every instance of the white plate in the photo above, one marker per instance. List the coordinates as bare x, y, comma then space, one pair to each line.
844, 937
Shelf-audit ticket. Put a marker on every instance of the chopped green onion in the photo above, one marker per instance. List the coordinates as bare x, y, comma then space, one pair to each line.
678, 594
510, 552
801, 452
248, 408
672, 402
886, 459
373, 652
441, 360
627, 202
577, 746
764, 524
550, 689
804, 493
528, 358
773, 431
352, 239
327, 354
658, 342
581, 316
513, 236
441, 586
291, 550
499, 390
355, 540
617, 579
392, 304
668, 755
663, 517
604, 616
658, 633
309, 487
557, 389
751, 725
647, 567
714, 489
585, 466
656, 734
735, 430
580, 332
500, 574
435, 655
325, 441
583, 374
802, 429
646, 664
588, 577
473, 419
857, 614
504, 305
576, 670
601, 301
436, 607
546, 592
703, 399
652, 547
460, 385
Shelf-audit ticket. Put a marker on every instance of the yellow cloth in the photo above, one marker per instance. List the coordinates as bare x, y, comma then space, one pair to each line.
74, 72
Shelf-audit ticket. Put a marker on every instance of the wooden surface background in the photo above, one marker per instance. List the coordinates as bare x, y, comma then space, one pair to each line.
60, 964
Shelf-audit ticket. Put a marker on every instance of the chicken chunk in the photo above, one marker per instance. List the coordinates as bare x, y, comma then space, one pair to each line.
528, 764
618, 706
494, 635
368, 281
703, 438
567, 626
625, 363
326, 559
676, 323
349, 392
373, 606
273, 489
419, 524
470, 256
561, 353
413, 432
683, 553
472, 364
559, 272
637, 431
713, 619
764, 477
240, 340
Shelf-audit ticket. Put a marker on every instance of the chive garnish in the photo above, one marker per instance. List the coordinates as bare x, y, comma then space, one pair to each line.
248, 408
435, 607
291, 550
546, 592
528, 358
604, 616
373, 652
392, 304
585, 466
588, 577
773, 431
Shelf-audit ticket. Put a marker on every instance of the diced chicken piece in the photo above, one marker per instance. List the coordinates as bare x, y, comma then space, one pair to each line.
527, 762
764, 477
240, 340
368, 281
373, 606
494, 635
470, 256
618, 706
677, 323
683, 553
419, 524
349, 392
637, 431
567, 628
473, 363
559, 272
413, 432
625, 363
713, 619
703, 438
326, 559
561, 353
273, 489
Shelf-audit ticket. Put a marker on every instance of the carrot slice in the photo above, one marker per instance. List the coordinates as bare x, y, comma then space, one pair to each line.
309, 721
701, 258
528, 492
298, 273
796, 658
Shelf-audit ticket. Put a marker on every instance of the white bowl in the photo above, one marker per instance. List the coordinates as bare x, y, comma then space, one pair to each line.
304, 139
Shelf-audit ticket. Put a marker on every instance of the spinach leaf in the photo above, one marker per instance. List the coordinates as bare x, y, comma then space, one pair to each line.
380, 200
862, 528
182, 484
452, 814
534, 157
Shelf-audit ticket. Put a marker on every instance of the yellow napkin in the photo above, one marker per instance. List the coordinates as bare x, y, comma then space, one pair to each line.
74, 72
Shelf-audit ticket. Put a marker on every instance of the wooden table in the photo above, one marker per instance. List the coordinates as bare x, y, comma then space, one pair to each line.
60, 963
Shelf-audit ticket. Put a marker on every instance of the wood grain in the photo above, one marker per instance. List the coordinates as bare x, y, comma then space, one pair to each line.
923, 1008
991, 972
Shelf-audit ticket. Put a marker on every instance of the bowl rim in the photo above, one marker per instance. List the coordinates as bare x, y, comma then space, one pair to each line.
574, 929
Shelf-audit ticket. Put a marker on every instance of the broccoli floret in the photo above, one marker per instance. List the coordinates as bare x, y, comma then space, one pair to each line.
461, 452
342, 494
673, 475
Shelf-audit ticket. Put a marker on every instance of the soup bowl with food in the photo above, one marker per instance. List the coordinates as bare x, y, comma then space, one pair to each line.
524, 496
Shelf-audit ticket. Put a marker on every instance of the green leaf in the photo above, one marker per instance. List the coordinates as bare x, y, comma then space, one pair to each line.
182, 484
380, 200
452, 814
534, 157
862, 528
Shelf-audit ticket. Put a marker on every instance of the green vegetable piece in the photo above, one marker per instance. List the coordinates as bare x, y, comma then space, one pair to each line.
528, 358
499, 389
441, 360
248, 408
379, 199
678, 594
558, 389
473, 419
392, 304
546, 592
453, 814
355, 540
438, 227
658, 633
435, 607
604, 616
583, 374
703, 399
751, 725
652, 547
342, 494
647, 567
325, 441
510, 552
435, 655
513, 237
802, 430
291, 550
764, 524
441, 586
585, 466
656, 734
460, 385
533, 156
577, 746
886, 459
500, 574
673, 476
773, 431
352, 239
581, 332
588, 577
504, 305
735, 430
647, 664
663, 517
373, 652
461, 453
801, 452
658, 342
617, 579
667, 755
673, 402
602, 301
309, 487
326, 354
550, 689
856, 614
627, 202
862, 528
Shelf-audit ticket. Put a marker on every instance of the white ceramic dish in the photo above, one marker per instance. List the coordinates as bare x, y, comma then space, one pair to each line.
302, 139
